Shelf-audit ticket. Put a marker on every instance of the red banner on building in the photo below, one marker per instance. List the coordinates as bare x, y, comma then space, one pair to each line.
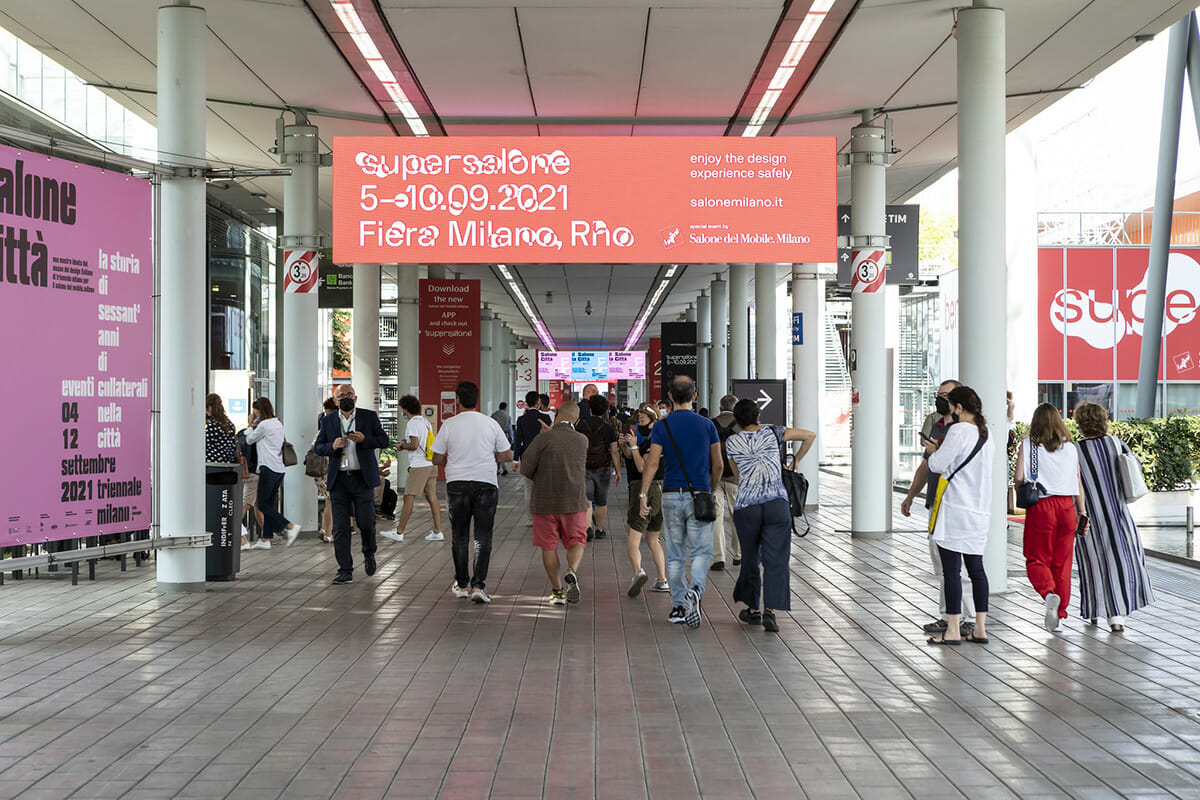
557, 391
654, 369
449, 340
1091, 305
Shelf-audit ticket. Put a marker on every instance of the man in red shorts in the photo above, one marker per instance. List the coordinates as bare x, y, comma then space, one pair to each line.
555, 464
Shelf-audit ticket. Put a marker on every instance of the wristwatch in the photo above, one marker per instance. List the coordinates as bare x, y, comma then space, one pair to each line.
643, 495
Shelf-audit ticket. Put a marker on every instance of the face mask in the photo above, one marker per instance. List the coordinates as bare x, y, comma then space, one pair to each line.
942, 405
644, 430
346, 404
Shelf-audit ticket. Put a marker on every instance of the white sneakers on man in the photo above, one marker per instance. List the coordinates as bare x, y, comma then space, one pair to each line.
395, 537
292, 532
261, 544
435, 536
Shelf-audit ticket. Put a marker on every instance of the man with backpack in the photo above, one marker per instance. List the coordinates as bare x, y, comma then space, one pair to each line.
725, 491
421, 479
602, 462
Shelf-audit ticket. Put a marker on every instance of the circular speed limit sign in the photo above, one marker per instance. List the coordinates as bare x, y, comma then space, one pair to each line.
868, 271
301, 274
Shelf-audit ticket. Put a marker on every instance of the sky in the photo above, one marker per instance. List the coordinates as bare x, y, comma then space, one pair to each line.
1097, 148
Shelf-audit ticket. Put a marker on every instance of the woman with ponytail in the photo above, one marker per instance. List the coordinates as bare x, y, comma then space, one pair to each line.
1048, 457
964, 459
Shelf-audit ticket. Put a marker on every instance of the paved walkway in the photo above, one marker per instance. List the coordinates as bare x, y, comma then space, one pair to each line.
280, 685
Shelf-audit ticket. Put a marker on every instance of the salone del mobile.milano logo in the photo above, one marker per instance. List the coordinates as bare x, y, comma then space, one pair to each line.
1102, 322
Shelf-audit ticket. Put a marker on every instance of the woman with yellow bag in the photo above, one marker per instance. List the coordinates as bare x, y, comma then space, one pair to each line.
961, 512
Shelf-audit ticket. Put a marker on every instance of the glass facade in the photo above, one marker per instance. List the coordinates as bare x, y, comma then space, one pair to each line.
241, 293
42, 83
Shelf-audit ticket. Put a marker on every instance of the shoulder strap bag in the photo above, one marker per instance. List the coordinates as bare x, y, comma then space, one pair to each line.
1129, 474
703, 503
795, 484
1029, 492
944, 481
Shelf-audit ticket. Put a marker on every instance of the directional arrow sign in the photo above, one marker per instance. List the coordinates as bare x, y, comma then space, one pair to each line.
765, 393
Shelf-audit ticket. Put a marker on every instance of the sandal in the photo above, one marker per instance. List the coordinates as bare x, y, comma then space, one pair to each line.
325, 537
942, 641
970, 637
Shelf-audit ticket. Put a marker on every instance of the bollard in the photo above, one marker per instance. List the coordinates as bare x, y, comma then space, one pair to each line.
1191, 524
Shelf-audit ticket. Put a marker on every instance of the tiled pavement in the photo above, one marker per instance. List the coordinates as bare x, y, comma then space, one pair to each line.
280, 685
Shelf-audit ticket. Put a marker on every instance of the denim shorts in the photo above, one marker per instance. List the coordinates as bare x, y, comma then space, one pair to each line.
597, 481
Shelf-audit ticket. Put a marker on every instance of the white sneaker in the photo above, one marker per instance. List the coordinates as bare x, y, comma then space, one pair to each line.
461, 592
435, 536
478, 595
246, 546
261, 544
292, 532
1052, 603
395, 537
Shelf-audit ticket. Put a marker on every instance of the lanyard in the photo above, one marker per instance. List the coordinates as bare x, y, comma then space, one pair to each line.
346, 425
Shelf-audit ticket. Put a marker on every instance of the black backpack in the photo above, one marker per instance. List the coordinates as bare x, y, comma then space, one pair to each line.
723, 434
597, 452
248, 451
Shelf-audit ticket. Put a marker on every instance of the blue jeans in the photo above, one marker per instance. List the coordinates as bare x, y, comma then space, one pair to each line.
687, 539
268, 489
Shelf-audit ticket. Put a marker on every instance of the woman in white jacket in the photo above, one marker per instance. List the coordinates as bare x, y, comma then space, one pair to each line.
964, 458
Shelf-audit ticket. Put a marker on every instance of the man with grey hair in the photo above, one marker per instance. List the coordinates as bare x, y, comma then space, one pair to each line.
726, 490
933, 430
350, 439
554, 466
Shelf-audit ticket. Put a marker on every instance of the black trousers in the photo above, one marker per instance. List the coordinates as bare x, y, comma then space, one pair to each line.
351, 493
952, 575
469, 500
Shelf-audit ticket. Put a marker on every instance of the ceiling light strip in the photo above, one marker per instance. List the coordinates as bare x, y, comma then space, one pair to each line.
784, 72
385, 72
539, 327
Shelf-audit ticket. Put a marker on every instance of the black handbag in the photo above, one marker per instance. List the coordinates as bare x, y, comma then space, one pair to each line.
704, 504
795, 484
1030, 491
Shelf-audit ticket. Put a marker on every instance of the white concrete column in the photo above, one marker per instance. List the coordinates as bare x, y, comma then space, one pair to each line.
407, 360
766, 321
870, 487
1021, 235
179, 497
982, 292
364, 335
718, 353
487, 381
703, 348
499, 368
739, 322
299, 400
808, 367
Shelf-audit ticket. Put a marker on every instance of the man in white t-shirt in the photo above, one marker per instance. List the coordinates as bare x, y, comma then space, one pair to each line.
422, 474
470, 445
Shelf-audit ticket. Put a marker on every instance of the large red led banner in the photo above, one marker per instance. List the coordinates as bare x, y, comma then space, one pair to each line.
1091, 305
583, 199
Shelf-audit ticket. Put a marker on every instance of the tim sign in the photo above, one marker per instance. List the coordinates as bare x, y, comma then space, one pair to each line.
585, 199
1092, 303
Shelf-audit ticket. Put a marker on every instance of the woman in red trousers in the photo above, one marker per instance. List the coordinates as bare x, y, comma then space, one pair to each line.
1048, 458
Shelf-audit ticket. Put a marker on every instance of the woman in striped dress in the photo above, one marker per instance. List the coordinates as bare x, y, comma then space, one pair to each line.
1112, 566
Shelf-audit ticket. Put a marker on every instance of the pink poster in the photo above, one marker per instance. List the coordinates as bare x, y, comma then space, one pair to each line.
76, 282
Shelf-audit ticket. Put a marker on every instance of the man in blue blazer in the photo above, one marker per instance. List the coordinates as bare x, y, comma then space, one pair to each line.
350, 438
